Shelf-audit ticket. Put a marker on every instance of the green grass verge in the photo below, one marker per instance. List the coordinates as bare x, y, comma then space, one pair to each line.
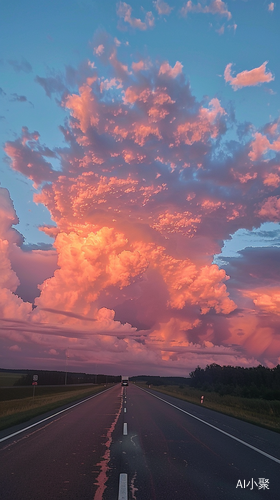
255, 411
9, 379
22, 408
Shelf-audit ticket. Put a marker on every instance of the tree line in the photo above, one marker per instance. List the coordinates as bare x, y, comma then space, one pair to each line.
254, 382
156, 380
46, 377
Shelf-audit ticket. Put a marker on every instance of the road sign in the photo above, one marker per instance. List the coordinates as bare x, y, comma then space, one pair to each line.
34, 383
35, 378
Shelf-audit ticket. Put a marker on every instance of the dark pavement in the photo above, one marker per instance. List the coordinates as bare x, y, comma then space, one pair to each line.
166, 453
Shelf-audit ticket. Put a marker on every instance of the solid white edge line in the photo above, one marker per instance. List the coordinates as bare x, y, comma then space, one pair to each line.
51, 416
122, 487
125, 429
216, 428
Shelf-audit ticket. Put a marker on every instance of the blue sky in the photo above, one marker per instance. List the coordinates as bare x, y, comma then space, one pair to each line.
42, 39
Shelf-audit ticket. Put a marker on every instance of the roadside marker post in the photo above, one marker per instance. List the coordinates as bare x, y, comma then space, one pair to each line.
34, 383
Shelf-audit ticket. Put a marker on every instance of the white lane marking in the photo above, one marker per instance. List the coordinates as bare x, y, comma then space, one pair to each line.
125, 429
124, 410
51, 416
123, 487
216, 428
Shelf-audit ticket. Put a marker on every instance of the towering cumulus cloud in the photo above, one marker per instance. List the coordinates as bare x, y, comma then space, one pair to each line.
143, 199
11, 306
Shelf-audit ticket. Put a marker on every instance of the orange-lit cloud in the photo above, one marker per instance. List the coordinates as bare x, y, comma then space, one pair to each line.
247, 78
267, 300
145, 196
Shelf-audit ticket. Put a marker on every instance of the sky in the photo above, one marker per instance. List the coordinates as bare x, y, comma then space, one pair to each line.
139, 185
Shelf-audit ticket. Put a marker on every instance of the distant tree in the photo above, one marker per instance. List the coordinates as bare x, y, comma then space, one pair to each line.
253, 382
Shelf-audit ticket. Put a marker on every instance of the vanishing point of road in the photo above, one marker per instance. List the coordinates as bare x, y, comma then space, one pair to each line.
127, 443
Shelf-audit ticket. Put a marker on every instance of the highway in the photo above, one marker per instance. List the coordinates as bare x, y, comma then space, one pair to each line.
134, 444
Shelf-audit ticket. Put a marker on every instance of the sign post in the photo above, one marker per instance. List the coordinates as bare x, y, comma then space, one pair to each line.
34, 383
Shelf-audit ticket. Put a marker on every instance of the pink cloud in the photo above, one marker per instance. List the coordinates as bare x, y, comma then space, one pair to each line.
83, 107
32, 268
251, 334
246, 78
260, 145
243, 178
166, 69
270, 209
162, 7
11, 306
272, 128
8, 218
221, 30
108, 84
99, 50
214, 7
141, 204
140, 66
272, 179
15, 348
124, 11
8, 278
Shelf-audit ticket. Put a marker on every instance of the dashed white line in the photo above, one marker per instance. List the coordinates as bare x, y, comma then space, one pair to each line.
123, 487
124, 410
217, 428
125, 429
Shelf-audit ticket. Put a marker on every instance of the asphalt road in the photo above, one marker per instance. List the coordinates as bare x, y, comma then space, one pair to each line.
141, 442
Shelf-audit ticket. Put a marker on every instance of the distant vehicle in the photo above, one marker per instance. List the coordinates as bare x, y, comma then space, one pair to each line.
124, 380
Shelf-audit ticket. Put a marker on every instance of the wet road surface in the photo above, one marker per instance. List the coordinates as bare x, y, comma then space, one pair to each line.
136, 444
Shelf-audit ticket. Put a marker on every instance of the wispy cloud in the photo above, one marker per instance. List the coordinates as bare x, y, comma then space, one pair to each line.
213, 7
20, 98
163, 8
19, 66
124, 11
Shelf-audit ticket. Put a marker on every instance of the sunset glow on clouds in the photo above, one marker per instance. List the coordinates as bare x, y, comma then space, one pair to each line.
144, 186
246, 78
213, 7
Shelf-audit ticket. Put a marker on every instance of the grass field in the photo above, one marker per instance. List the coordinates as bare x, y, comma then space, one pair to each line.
256, 411
8, 379
17, 405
